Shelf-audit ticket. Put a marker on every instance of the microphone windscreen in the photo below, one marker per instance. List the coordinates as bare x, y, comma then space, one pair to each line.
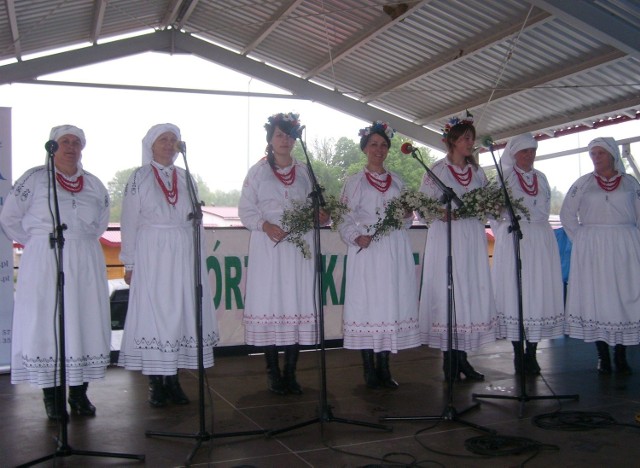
487, 141
296, 132
406, 148
180, 147
51, 146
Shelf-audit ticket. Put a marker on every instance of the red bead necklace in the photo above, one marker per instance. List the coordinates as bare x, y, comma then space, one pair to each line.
530, 189
379, 185
608, 185
288, 178
70, 185
463, 178
170, 195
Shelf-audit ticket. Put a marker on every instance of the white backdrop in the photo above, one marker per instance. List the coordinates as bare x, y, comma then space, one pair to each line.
6, 247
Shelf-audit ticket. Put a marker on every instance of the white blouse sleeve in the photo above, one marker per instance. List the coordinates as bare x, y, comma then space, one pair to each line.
131, 208
569, 210
16, 206
248, 209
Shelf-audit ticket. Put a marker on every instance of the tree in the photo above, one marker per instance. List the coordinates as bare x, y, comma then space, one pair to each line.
323, 150
557, 197
347, 153
204, 192
221, 198
406, 166
116, 191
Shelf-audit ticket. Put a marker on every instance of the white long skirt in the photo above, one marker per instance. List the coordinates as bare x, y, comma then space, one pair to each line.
542, 287
34, 355
473, 309
603, 301
160, 330
280, 294
381, 299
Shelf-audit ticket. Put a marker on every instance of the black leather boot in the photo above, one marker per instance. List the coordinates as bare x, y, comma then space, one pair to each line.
370, 377
467, 369
274, 379
157, 393
52, 398
79, 402
450, 365
518, 357
531, 365
620, 360
291, 353
383, 372
604, 362
174, 391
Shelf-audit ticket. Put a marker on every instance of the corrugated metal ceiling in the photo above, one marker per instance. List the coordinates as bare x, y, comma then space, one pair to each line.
539, 65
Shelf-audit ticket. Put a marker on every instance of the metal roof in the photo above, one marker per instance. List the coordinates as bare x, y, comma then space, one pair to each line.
544, 66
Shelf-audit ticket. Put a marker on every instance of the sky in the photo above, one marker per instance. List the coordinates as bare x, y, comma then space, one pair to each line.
224, 135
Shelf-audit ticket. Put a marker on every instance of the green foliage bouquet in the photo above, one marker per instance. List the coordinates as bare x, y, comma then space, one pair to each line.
298, 220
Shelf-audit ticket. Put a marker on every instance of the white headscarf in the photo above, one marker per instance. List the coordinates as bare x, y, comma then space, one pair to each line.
57, 132
611, 147
515, 144
151, 137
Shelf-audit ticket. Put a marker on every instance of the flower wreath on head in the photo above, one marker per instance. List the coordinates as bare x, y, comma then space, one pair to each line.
453, 121
282, 117
377, 127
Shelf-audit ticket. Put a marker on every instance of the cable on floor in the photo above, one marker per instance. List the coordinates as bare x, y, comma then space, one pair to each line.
577, 421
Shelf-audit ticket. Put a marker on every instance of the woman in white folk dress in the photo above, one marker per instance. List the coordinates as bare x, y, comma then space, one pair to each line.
158, 251
474, 313
279, 304
27, 218
542, 286
601, 215
381, 299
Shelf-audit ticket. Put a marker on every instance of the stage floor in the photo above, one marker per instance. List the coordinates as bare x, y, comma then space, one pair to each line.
237, 403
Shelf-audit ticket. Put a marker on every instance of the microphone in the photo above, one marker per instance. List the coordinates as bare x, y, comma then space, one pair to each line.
407, 148
487, 141
180, 147
51, 146
296, 132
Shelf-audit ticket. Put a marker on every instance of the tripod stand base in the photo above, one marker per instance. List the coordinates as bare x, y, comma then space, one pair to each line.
201, 437
450, 413
525, 398
67, 451
327, 416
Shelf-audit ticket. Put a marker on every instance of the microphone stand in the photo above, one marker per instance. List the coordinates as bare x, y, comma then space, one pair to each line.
325, 411
196, 218
56, 240
450, 413
514, 229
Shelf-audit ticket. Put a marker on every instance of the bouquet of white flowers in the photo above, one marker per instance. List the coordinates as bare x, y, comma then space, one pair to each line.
487, 203
397, 209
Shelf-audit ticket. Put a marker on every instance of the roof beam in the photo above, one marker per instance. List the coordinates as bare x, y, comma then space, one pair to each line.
473, 47
539, 79
171, 14
99, 8
303, 88
173, 40
568, 120
33, 68
270, 25
13, 24
357, 41
586, 16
